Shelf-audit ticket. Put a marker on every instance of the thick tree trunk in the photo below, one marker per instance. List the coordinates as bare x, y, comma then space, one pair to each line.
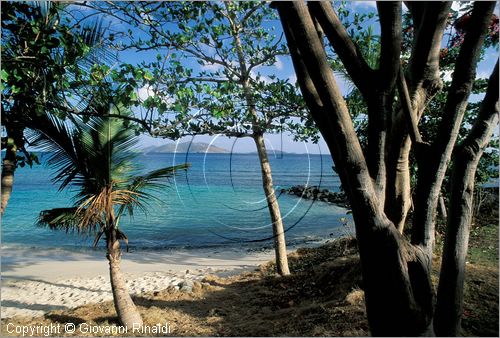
424, 83
449, 306
274, 209
395, 276
396, 281
124, 306
8, 169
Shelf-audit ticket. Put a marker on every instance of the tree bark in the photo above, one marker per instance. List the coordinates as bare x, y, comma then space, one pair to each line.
430, 20
124, 306
273, 206
431, 174
396, 280
398, 200
8, 169
396, 273
378, 96
267, 180
442, 207
449, 306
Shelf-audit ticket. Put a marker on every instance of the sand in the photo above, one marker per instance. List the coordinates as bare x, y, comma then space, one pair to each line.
36, 281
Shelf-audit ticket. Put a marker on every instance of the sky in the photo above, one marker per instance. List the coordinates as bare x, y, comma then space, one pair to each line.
283, 69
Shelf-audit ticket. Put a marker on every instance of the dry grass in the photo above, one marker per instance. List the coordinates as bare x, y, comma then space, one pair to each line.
323, 297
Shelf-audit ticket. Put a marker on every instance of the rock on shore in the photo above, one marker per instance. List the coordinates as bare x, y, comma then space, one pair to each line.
316, 193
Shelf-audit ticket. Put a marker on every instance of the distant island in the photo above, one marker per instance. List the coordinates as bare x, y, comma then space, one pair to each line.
202, 147
193, 147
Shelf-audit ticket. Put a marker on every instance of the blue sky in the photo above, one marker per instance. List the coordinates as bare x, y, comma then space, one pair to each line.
282, 69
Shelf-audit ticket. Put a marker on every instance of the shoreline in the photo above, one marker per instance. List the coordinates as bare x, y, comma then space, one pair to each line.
49, 264
35, 282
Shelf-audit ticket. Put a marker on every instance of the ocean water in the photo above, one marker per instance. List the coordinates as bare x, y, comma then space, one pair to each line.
219, 201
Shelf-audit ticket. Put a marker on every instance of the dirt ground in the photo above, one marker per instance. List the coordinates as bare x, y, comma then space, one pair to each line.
481, 311
322, 297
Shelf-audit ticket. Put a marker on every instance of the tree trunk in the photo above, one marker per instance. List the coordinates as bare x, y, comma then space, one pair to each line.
8, 169
396, 273
396, 281
442, 207
398, 201
432, 171
124, 306
449, 306
274, 209
395, 276
267, 179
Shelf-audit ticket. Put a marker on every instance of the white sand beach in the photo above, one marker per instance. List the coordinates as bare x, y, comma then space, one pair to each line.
35, 281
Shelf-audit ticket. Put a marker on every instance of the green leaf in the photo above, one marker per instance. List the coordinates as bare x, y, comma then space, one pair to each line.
147, 75
133, 96
4, 75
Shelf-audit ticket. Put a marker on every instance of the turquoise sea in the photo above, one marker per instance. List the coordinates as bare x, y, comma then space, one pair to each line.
218, 202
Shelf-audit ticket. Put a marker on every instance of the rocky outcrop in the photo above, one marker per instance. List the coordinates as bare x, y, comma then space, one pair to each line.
316, 193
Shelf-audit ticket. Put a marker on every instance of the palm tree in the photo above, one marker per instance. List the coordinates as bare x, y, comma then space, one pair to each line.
41, 55
96, 158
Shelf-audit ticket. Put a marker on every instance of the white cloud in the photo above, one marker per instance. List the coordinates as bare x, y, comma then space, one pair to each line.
279, 64
482, 75
365, 4
263, 78
145, 92
211, 67
292, 78
456, 7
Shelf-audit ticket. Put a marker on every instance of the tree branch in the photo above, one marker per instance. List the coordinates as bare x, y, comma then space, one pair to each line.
348, 52
343, 140
311, 96
268, 57
424, 61
416, 10
485, 119
430, 181
143, 123
449, 306
250, 12
410, 115
391, 37
464, 75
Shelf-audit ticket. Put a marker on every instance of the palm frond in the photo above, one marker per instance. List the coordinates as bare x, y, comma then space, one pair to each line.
99, 207
90, 155
63, 219
96, 158
62, 140
155, 180
92, 34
